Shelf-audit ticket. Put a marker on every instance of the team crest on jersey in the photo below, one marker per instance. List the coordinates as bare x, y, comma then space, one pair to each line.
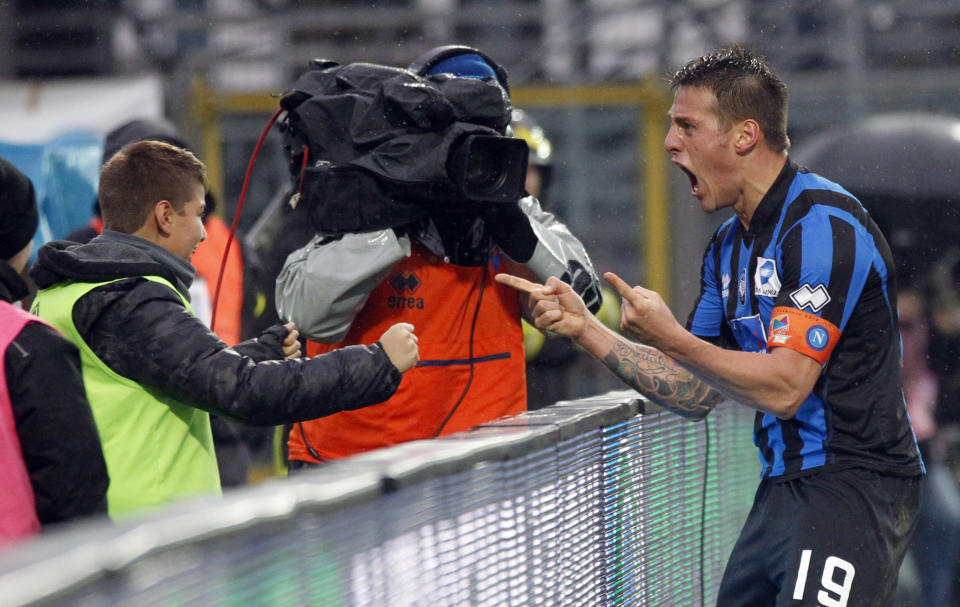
725, 286
814, 298
780, 329
765, 279
742, 287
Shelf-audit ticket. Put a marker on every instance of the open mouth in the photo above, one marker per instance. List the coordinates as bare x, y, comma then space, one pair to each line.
694, 182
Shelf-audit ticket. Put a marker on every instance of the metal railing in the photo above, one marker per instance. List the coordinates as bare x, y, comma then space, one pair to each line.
600, 501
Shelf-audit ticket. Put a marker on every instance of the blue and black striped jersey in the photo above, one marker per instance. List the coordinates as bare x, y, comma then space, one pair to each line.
813, 273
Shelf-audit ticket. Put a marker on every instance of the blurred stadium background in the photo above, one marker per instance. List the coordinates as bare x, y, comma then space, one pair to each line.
591, 72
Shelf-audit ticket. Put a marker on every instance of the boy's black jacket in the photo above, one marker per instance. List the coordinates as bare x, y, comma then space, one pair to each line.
142, 331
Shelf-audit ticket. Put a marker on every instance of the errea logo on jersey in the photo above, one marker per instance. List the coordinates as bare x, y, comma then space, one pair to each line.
403, 283
765, 279
811, 297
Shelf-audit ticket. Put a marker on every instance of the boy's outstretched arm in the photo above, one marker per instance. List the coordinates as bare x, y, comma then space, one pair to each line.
400, 345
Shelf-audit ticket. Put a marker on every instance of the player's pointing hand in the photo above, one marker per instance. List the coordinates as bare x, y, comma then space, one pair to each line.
558, 308
644, 315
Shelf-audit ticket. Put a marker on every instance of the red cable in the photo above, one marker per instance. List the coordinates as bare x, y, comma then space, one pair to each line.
236, 216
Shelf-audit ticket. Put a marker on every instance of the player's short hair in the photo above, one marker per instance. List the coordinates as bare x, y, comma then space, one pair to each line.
745, 87
142, 174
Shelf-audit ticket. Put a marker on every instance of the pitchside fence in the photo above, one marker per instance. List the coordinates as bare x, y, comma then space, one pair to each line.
599, 501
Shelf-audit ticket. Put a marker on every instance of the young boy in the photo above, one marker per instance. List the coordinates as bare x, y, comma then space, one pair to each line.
152, 369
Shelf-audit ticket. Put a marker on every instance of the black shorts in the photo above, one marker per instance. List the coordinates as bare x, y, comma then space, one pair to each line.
830, 539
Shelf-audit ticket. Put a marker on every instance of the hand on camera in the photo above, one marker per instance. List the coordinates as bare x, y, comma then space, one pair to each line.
400, 345
511, 230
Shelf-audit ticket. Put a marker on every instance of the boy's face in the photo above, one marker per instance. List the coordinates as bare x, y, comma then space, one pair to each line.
188, 231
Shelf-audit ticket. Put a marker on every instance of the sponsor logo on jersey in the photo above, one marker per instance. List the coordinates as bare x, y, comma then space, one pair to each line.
405, 303
404, 283
817, 338
742, 288
765, 279
725, 286
780, 329
811, 297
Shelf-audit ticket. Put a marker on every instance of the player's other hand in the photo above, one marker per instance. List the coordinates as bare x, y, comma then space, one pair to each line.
558, 308
291, 347
644, 315
400, 345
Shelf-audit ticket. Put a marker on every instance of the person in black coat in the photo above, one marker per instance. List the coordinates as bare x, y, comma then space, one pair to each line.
58, 442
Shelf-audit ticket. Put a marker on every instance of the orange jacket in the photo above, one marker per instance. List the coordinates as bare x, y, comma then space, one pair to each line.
439, 299
207, 260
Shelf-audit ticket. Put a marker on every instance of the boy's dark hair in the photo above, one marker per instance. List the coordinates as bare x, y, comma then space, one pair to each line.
142, 174
745, 87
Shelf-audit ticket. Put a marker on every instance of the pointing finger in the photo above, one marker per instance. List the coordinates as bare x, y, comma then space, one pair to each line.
555, 286
625, 290
517, 283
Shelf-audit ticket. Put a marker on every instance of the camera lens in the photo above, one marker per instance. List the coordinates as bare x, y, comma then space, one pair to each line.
489, 168
485, 169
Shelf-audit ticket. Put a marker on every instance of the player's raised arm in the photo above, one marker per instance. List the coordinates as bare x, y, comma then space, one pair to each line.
647, 370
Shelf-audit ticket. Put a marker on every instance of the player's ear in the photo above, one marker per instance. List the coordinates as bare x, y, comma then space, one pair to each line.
747, 136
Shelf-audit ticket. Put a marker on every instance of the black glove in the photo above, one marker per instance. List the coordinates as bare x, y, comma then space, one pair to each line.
269, 346
510, 229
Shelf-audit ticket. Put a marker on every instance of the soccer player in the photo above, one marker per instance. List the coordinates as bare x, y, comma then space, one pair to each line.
796, 318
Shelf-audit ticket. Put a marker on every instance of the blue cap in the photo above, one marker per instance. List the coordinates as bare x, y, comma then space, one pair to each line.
468, 65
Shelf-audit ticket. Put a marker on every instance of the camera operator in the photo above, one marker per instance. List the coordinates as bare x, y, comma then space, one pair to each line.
437, 274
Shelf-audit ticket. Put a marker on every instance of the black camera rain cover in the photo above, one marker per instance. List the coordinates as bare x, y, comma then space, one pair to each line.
379, 139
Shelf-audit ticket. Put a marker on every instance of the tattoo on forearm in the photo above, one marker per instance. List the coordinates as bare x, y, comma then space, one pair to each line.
662, 380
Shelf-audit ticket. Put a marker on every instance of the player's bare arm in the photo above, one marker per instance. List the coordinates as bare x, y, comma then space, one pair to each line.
648, 371
775, 383
662, 380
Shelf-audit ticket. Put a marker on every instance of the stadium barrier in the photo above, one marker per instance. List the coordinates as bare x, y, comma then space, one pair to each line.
599, 501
